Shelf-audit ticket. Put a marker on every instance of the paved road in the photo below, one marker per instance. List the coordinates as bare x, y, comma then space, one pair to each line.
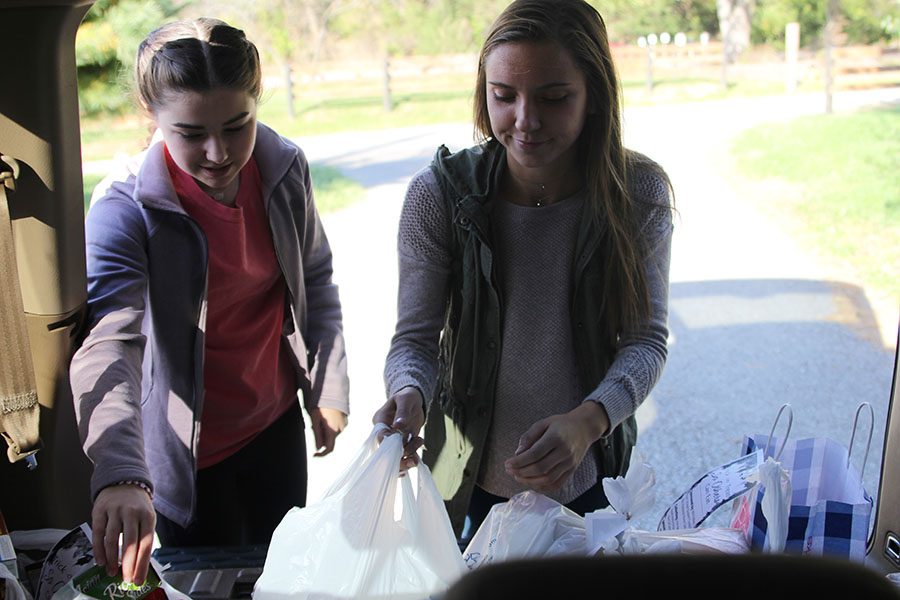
755, 320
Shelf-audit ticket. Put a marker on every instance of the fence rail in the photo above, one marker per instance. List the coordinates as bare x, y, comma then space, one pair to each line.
668, 61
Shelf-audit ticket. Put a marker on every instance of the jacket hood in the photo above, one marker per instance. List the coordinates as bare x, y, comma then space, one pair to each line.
145, 176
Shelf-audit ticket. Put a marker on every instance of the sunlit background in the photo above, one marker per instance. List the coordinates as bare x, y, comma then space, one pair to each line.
777, 120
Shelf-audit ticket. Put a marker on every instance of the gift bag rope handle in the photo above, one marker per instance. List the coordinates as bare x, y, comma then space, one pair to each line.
790, 422
853, 436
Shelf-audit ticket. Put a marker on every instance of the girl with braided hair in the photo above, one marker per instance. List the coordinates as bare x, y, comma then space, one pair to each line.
212, 313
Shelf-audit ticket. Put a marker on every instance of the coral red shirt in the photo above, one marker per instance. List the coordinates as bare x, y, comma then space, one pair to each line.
248, 378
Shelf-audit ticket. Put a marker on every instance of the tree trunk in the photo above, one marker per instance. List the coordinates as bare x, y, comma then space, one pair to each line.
734, 25
829, 34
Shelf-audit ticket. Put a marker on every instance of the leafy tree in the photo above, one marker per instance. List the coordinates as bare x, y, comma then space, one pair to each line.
295, 33
286, 32
278, 31
420, 27
627, 20
862, 21
105, 49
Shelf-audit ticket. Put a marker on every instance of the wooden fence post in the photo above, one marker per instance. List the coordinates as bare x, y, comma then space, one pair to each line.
791, 55
387, 100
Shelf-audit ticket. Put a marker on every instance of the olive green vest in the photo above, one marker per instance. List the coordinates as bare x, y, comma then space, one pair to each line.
459, 419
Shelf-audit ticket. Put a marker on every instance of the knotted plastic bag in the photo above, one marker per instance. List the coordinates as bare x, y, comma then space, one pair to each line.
630, 496
776, 503
372, 535
609, 530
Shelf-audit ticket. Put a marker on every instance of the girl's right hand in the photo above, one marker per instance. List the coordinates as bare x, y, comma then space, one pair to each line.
404, 413
127, 510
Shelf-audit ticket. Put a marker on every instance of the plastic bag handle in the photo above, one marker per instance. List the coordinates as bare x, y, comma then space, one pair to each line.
853, 436
786, 433
356, 465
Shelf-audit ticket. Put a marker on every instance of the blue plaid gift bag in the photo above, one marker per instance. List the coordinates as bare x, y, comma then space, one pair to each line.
830, 510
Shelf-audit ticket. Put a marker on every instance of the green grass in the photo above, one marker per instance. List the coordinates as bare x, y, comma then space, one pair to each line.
314, 117
332, 190
330, 107
845, 170
334, 106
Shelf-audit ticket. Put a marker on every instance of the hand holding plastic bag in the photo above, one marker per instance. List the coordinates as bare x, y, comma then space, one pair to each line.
365, 538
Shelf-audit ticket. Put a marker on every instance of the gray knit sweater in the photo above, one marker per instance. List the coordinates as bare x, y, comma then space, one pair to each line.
537, 375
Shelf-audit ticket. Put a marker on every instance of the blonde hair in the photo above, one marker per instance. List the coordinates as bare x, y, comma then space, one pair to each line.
195, 55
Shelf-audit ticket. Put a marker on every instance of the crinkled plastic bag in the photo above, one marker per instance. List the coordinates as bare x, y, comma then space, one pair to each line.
14, 590
527, 525
706, 540
372, 535
609, 531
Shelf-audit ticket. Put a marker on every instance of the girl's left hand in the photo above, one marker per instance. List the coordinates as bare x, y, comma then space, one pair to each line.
552, 448
327, 424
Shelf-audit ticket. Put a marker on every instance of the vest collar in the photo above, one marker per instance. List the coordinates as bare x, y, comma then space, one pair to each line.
470, 177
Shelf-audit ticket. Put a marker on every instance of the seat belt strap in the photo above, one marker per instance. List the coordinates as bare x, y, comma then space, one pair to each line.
19, 408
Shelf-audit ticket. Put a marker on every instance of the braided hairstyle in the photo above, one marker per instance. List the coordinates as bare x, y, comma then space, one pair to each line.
196, 55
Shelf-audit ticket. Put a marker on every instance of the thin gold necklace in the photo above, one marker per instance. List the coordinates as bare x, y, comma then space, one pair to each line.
544, 199
540, 201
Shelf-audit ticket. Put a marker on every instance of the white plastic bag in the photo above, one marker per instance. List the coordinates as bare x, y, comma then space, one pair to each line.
365, 538
705, 540
776, 503
609, 530
11, 586
527, 525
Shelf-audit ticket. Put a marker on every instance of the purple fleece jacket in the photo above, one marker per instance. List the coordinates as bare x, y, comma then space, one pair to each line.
137, 379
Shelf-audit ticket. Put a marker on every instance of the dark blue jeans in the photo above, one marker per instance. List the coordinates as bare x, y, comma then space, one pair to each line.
242, 499
482, 501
